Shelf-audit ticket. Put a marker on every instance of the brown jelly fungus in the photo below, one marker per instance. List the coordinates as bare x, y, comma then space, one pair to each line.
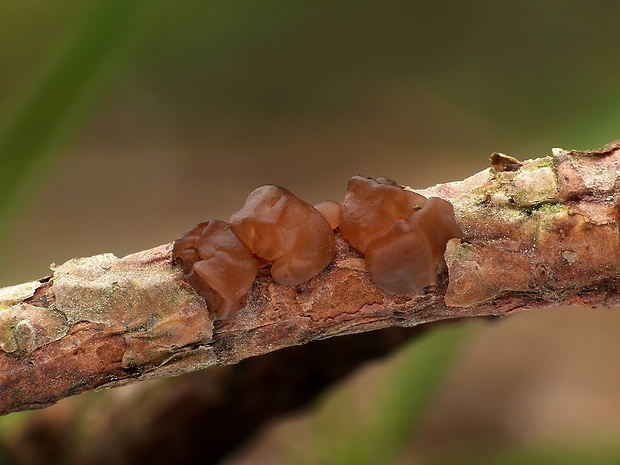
287, 232
330, 211
372, 206
407, 257
402, 234
403, 237
218, 265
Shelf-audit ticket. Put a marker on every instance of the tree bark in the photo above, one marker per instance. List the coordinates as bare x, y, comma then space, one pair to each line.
537, 233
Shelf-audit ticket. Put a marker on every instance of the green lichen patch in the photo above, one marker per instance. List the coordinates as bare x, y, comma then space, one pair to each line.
532, 187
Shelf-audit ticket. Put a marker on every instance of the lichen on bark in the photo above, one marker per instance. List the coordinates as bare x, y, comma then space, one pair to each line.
537, 233
550, 229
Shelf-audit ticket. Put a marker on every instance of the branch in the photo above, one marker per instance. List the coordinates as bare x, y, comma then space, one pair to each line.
537, 233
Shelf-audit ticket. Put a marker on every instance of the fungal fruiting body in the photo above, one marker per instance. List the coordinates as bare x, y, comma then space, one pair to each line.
330, 210
402, 235
273, 228
372, 206
400, 261
218, 265
287, 232
406, 258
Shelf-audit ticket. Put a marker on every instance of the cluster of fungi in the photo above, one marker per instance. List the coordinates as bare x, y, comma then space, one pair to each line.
402, 235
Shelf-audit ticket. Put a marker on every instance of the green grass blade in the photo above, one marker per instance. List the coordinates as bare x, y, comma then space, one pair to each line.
418, 373
78, 67
398, 408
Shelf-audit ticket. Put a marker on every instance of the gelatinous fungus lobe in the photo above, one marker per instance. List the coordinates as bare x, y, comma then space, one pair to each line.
372, 206
407, 257
218, 265
287, 232
330, 210
402, 234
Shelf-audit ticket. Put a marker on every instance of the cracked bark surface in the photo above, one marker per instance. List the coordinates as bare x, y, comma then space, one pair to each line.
537, 233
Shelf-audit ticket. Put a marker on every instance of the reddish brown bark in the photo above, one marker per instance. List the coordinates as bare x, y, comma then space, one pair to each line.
539, 233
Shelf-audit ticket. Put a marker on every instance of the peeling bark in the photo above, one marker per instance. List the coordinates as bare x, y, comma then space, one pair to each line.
537, 233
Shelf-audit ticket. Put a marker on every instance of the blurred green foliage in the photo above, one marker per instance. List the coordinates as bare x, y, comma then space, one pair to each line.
377, 434
78, 67
81, 63
530, 67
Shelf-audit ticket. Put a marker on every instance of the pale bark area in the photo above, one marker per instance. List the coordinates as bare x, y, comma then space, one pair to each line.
543, 235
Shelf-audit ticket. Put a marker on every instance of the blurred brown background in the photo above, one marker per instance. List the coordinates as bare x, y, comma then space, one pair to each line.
219, 97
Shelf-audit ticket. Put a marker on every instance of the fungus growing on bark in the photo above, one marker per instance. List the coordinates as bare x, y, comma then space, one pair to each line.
372, 206
218, 265
407, 257
286, 231
402, 234
330, 210
400, 261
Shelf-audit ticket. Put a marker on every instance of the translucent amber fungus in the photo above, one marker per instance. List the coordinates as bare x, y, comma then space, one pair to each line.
330, 211
287, 232
438, 223
400, 261
407, 257
372, 206
218, 265
403, 235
